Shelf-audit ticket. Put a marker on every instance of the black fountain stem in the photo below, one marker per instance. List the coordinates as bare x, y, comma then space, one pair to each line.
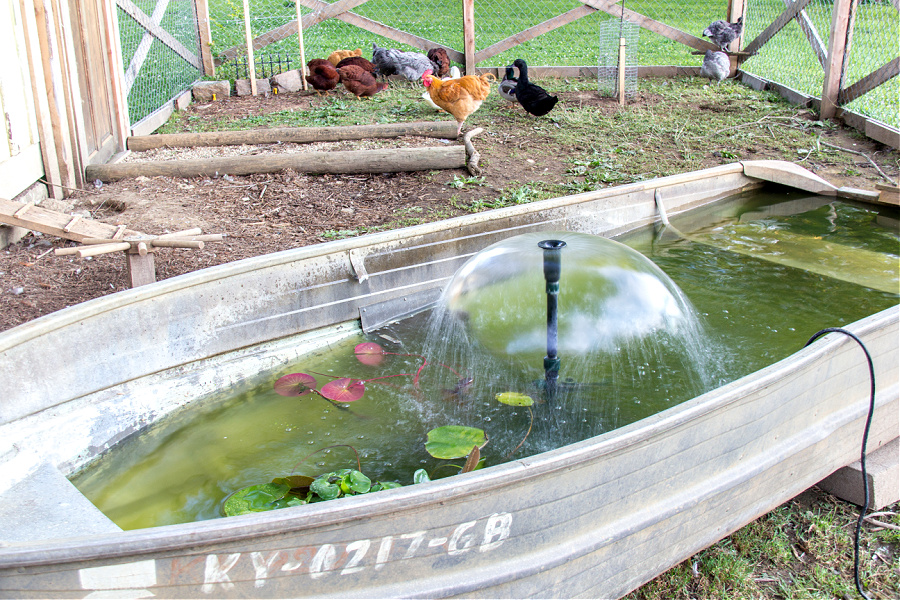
552, 267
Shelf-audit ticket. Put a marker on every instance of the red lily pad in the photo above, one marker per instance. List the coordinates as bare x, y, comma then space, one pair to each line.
369, 353
295, 384
344, 390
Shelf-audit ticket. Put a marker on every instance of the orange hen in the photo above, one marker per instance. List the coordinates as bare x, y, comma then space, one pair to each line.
459, 97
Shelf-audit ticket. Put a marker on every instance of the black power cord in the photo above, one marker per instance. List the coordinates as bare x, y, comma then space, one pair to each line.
862, 457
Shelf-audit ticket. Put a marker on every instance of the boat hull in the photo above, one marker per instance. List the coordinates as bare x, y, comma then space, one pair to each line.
593, 519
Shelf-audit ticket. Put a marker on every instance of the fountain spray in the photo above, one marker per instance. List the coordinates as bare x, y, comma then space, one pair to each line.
552, 267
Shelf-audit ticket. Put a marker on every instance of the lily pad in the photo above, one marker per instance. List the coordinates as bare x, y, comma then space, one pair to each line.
369, 353
454, 441
514, 399
295, 384
256, 498
344, 390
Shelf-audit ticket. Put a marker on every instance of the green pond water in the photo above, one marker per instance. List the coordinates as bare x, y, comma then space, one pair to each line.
764, 273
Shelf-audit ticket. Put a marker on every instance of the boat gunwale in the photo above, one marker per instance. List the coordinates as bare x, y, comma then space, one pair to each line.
449, 490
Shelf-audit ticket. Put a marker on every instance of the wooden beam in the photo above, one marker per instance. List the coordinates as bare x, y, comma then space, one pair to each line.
533, 32
159, 33
775, 26
613, 8
469, 36
201, 7
52, 222
390, 160
143, 49
435, 129
811, 33
870, 82
251, 64
834, 66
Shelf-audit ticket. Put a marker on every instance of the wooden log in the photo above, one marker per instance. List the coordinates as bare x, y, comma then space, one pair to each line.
436, 129
391, 160
86, 251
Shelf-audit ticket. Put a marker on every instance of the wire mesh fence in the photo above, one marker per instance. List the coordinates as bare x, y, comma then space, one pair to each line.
795, 56
546, 32
154, 71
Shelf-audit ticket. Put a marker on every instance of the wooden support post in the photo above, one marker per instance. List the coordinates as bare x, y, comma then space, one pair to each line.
622, 71
302, 51
469, 35
206, 57
141, 268
251, 65
834, 63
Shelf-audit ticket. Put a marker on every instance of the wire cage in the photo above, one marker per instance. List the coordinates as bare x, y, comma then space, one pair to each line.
616, 34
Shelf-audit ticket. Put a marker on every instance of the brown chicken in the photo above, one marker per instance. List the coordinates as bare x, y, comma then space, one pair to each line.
322, 75
358, 61
440, 60
360, 82
459, 97
335, 57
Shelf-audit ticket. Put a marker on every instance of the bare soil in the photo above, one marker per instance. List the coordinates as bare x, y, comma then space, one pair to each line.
266, 213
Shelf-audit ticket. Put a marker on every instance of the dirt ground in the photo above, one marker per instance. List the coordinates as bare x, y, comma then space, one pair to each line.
266, 213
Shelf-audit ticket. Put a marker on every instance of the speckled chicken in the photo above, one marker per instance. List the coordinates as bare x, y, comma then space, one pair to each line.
715, 65
322, 75
722, 33
410, 65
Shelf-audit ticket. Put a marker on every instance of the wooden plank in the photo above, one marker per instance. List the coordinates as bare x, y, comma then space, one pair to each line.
533, 32
613, 8
811, 33
469, 36
143, 49
777, 25
870, 82
52, 222
159, 33
358, 161
834, 67
437, 129
201, 7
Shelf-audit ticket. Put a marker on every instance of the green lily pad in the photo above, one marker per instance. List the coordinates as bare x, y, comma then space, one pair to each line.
255, 498
454, 441
514, 399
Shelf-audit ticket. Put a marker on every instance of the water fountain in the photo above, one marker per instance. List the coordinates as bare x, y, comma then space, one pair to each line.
583, 514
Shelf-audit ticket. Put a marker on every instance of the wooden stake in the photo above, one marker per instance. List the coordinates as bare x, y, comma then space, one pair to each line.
621, 71
251, 65
302, 52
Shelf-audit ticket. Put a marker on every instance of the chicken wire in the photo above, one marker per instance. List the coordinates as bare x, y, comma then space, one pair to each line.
790, 57
611, 32
154, 73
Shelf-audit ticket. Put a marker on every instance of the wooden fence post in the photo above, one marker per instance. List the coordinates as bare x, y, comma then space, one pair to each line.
205, 34
251, 64
834, 61
469, 35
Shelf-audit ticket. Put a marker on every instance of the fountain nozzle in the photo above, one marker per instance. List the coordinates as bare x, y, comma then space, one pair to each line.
552, 269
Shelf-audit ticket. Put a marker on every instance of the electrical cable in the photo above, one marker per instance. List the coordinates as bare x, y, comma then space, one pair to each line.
862, 458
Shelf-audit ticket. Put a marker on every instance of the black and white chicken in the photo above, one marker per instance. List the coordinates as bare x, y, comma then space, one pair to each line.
533, 98
715, 65
722, 33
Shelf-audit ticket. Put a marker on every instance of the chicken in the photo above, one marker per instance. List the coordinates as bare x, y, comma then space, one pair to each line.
507, 87
426, 95
533, 98
360, 82
410, 65
440, 60
322, 75
723, 33
358, 61
338, 55
715, 65
459, 97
